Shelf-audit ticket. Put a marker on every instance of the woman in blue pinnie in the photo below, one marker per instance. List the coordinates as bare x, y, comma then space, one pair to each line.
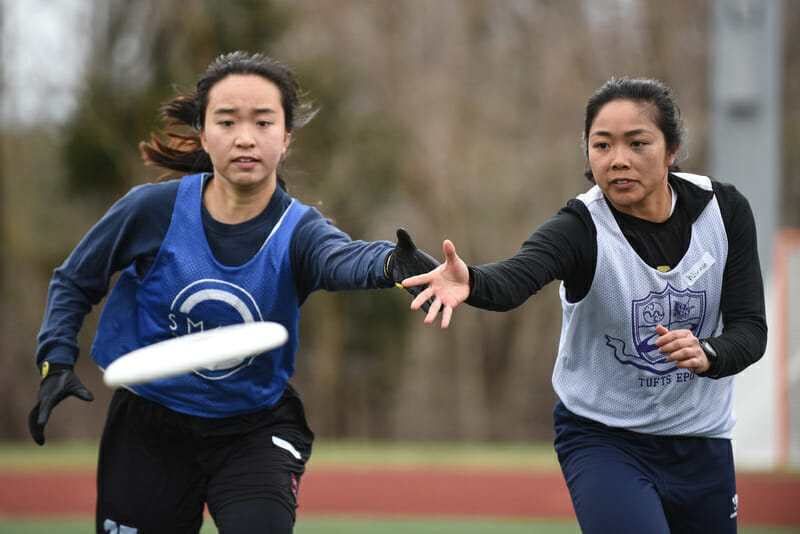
224, 244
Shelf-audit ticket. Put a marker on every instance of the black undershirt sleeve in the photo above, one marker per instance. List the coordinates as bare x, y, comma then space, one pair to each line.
744, 333
563, 248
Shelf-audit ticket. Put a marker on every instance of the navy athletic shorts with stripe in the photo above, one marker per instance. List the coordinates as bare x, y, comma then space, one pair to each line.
158, 468
622, 481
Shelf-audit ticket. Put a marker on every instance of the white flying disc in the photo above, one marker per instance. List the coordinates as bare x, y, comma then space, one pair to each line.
221, 347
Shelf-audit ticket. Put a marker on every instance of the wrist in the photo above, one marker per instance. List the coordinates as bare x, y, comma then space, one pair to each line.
711, 356
386, 266
51, 369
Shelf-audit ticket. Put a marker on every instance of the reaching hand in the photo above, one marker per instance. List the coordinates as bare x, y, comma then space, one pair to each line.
448, 286
60, 383
407, 260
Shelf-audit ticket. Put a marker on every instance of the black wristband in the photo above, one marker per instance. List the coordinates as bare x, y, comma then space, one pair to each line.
711, 356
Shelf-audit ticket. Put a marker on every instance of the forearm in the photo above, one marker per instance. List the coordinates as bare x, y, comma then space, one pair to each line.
66, 308
76, 287
561, 249
324, 257
503, 286
352, 265
744, 333
130, 231
739, 346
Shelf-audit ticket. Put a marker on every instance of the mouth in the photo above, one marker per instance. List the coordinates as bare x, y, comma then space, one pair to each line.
245, 162
621, 183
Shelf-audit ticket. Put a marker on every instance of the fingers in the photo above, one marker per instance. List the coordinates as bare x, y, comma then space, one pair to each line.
433, 311
84, 394
448, 281
683, 348
447, 313
404, 239
436, 306
670, 341
417, 280
36, 428
425, 306
52, 391
449, 249
423, 297
44, 413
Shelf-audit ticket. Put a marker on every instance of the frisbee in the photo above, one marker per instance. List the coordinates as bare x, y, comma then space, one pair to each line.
219, 348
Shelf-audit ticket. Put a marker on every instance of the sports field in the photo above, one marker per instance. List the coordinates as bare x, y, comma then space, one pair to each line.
347, 526
379, 488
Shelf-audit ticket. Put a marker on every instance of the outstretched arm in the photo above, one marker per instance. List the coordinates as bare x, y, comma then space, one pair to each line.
448, 286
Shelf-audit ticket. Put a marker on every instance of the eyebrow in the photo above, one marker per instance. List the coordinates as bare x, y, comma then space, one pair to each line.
631, 133
257, 111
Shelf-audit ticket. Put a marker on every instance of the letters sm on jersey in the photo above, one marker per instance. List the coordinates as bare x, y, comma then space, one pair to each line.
207, 304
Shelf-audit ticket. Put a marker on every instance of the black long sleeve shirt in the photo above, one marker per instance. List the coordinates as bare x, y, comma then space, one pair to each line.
565, 248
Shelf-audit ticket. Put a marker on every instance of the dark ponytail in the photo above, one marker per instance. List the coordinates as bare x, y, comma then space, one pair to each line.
182, 150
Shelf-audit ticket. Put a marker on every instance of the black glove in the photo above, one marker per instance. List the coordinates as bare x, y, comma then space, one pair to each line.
60, 382
407, 260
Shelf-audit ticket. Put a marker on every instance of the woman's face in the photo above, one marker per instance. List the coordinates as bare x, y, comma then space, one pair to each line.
244, 132
629, 159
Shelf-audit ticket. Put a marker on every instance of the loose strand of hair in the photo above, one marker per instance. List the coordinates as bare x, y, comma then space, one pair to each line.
181, 150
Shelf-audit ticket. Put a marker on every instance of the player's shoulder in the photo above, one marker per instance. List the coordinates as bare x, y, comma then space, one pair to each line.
594, 194
572, 224
733, 205
690, 180
152, 192
728, 193
312, 217
149, 203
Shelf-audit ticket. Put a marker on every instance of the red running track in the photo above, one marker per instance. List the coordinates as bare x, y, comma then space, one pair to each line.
764, 499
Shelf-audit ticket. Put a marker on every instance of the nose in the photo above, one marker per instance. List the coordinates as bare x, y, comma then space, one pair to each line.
619, 159
244, 137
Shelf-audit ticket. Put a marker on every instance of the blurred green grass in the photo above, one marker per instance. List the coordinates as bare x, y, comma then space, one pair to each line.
76, 454
335, 453
28, 455
338, 525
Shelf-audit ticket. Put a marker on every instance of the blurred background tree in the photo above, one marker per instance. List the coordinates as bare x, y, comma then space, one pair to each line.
457, 119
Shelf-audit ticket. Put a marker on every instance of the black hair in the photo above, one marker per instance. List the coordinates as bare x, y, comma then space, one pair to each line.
182, 150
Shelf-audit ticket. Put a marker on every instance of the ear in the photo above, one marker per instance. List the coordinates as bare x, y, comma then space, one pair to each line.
287, 138
671, 158
203, 141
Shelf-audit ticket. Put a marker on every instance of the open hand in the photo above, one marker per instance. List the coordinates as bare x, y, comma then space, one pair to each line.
448, 286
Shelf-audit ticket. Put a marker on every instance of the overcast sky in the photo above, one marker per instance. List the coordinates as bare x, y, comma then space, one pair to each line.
43, 46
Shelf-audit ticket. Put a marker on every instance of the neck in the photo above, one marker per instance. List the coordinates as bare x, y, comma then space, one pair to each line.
229, 204
659, 209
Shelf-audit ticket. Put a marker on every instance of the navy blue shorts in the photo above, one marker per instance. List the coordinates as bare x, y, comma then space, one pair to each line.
621, 481
158, 468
